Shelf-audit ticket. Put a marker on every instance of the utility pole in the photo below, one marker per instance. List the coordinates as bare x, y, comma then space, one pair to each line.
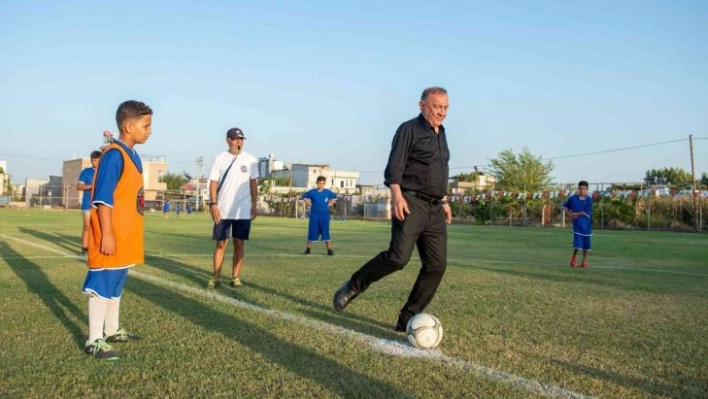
694, 189
199, 179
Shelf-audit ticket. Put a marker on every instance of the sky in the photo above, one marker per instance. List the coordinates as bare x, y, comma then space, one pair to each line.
604, 89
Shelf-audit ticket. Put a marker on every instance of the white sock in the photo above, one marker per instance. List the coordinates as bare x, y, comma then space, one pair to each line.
112, 316
97, 317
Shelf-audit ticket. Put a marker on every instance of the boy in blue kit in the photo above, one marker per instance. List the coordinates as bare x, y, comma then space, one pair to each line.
85, 183
319, 200
116, 236
579, 208
166, 208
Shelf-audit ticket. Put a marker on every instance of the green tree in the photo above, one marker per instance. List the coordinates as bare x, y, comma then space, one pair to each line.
522, 172
704, 180
174, 181
8, 182
671, 176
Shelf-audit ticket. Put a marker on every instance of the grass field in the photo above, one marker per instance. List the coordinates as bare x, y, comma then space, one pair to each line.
518, 321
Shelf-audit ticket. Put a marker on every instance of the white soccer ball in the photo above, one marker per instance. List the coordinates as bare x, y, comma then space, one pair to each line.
424, 331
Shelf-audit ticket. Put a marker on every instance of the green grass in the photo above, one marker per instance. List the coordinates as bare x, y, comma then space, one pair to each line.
635, 324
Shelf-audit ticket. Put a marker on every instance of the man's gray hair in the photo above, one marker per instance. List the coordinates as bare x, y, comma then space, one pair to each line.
432, 90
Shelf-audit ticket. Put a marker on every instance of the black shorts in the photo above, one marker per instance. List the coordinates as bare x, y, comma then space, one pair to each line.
240, 228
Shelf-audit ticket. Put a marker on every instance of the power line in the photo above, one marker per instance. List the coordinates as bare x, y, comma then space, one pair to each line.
614, 150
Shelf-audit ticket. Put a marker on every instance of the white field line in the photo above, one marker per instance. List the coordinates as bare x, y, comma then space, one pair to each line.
387, 346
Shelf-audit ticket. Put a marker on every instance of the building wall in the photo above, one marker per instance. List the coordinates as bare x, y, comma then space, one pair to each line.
71, 198
71, 170
32, 189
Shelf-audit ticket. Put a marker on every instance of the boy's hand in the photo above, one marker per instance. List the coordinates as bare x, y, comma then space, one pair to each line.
108, 244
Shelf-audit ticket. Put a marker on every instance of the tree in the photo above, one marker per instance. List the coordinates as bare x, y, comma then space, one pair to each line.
522, 172
174, 181
704, 180
671, 176
8, 182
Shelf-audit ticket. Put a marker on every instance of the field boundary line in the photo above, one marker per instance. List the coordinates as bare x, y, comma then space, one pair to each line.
390, 347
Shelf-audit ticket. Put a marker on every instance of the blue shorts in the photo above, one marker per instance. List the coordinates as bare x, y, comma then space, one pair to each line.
240, 229
319, 226
105, 283
581, 242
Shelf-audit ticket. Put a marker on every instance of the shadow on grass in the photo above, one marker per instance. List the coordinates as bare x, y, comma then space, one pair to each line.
315, 310
69, 243
650, 284
338, 379
685, 387
320, 311
40, 285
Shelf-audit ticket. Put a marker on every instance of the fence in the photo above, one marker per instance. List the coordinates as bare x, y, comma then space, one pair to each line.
651, 213
612, 210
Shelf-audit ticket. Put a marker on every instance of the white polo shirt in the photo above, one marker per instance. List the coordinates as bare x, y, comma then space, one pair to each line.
234, 198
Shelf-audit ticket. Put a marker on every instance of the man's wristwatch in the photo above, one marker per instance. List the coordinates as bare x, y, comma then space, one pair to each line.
212, 203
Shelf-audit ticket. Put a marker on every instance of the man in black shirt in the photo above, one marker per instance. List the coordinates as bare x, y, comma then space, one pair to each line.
417, 174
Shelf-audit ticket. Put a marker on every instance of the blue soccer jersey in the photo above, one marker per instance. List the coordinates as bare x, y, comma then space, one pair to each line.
320, 200
86, 177
583, 223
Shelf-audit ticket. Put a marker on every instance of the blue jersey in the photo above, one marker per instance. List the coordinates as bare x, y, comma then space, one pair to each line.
319, 200
582, 224
110, 169
86, 177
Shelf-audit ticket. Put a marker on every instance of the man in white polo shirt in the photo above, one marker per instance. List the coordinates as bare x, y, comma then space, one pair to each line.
233, 193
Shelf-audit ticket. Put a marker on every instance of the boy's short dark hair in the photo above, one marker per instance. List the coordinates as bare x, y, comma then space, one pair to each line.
131, 109
321, 178
583, 183
96, 154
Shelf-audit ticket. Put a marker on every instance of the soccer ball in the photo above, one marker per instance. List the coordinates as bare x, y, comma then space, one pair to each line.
424, 331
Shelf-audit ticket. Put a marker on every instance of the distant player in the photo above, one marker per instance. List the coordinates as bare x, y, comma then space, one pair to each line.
319, 200
189, 209
579, 208
166, 209
85, 183
116, 239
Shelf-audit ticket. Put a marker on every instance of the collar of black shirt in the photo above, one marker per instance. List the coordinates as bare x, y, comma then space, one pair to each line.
424, 122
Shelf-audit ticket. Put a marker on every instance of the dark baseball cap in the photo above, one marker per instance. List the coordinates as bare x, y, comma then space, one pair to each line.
235, 133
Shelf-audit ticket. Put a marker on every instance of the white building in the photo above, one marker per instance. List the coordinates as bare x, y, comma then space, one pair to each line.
267, 165
304, 176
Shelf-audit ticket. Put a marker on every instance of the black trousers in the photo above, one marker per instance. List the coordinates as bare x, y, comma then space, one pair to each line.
425, 228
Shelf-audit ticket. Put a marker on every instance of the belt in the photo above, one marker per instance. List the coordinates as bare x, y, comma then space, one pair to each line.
434, 201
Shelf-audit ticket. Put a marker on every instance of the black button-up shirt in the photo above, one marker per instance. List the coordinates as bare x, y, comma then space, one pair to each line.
419, 158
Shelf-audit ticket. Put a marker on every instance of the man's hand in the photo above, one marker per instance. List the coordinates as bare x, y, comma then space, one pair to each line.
254, 211
215, 214
399, 206
448, 213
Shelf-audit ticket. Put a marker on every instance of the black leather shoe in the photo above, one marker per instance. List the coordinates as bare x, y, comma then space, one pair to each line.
343, 296
402, 323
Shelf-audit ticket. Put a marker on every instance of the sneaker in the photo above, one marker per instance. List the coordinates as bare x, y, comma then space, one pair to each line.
584, 264
330, 252
307, 252
573, 262
123, 335
235, 282
100, 349
213, 284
